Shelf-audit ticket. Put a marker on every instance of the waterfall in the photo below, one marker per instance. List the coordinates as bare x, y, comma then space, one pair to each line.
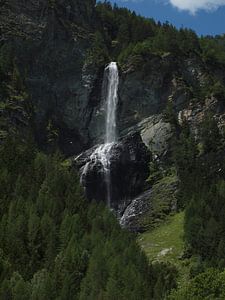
102, 153
111, 102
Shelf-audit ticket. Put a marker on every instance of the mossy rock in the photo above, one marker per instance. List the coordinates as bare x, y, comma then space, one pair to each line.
151, 208
162, 202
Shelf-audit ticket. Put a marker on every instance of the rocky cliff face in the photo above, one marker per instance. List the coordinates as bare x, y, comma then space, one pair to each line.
50, 40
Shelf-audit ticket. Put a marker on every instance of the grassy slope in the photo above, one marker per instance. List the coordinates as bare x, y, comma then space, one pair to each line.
165, 244
167, 238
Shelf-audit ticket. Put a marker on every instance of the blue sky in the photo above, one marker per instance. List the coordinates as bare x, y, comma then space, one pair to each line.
204, 16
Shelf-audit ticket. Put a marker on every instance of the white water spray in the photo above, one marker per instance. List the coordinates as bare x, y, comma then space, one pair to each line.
111, 102
102, 153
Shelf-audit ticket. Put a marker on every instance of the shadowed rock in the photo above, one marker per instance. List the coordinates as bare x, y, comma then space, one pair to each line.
129, 165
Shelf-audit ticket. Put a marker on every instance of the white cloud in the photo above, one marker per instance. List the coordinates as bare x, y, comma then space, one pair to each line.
190, 5
194, 5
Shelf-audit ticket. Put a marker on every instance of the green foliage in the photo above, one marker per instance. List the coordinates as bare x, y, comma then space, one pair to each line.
170, 114
54, 245
15, 111
164, 39
98, 54
211, 87
204, 223
165, 243
210, 135
201, 173
161, 202
185, 154
218, 90
213, 50
166, 279
208, 285
6, 59
123, 26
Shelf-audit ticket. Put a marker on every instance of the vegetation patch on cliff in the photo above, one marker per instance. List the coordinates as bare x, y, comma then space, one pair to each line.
164, 243
162, 202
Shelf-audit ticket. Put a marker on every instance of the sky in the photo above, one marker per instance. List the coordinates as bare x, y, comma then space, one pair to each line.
206, 17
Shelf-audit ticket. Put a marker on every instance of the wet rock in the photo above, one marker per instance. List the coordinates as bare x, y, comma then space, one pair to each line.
129, 169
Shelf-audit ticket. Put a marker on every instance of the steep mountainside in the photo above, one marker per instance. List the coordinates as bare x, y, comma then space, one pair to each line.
167, 154
54, 44
59, 50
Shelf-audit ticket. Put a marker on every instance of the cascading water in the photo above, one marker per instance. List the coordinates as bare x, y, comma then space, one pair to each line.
111, 102
102, 153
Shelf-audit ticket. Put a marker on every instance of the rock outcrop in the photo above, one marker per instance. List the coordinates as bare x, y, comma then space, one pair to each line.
150, 208
155, 133
50, 40
129, 165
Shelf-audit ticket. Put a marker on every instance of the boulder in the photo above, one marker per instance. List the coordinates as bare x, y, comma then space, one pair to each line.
129, 168
155, 134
